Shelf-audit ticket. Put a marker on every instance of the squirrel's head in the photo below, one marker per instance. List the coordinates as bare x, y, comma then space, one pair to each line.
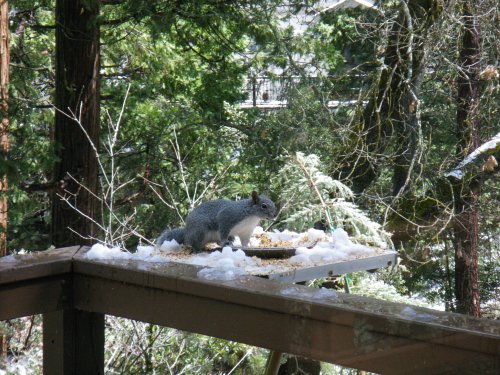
262, 206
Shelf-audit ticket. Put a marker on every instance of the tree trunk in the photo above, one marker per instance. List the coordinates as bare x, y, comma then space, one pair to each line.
299, 365
392, 106
4, 135
465, 226
77, 91
4, 118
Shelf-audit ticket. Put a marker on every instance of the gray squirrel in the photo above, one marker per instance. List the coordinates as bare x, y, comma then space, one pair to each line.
220, 220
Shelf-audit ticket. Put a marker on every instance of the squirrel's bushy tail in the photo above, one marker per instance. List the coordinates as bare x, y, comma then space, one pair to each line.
171, 234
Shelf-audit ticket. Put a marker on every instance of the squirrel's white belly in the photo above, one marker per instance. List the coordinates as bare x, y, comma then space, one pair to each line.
245, 228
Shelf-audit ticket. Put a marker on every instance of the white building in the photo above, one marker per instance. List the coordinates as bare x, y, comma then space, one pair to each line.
266, 93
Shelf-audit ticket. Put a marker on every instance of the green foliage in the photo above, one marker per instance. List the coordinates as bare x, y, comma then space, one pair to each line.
163, 350
344, 39
30, 157
24, 340
314, 196
184, 139
371, 287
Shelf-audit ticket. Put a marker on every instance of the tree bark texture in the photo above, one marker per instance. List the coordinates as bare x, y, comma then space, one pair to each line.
391, 111
4, 119
77, 91
465, 226
4, 135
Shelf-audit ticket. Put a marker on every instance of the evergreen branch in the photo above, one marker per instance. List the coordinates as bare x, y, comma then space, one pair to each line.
314, 187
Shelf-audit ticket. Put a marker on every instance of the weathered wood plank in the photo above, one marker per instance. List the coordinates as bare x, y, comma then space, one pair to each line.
36, 283
266, 294
35, 296
36, 264
349, 330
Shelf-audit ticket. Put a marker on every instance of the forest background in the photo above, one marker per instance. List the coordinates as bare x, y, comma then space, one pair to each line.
131, 113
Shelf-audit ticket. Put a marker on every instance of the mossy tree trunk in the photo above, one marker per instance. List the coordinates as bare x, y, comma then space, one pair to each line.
4, 135
77, 91
391, 113
4, 120
465, 226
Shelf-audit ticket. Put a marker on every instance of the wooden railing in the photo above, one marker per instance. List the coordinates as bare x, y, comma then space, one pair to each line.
75, 293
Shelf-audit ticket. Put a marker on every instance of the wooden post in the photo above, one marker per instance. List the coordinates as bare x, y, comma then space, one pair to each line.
73, 342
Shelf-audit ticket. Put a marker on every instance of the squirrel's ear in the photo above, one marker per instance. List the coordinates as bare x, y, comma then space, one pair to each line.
255, 197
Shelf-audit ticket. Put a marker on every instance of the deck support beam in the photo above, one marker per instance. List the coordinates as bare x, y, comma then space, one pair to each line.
73, 342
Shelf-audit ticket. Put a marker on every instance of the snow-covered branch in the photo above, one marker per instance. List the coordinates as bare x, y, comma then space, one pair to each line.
482, 158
